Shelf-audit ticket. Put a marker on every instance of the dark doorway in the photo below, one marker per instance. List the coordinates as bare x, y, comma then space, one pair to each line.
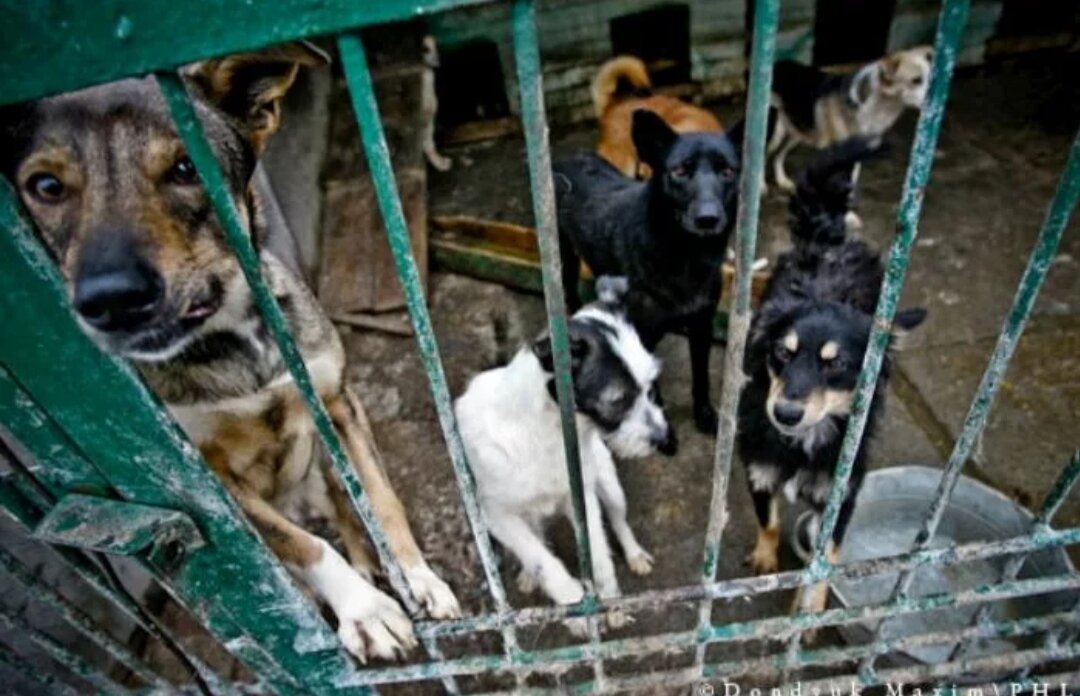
851, 31
470, 84
660, 36
1035, 17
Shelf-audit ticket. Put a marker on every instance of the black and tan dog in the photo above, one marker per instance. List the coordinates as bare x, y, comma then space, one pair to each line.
105, 177
806, 348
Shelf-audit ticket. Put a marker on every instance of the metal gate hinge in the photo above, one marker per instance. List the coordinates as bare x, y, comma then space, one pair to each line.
128, 529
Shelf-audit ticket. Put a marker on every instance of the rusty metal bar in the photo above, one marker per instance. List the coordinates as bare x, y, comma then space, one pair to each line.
766, 21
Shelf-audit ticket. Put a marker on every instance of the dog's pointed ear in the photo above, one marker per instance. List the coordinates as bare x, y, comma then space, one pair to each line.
737, 132
888, 67
579, 349
612, 290
248, 87
652, 137
908, 319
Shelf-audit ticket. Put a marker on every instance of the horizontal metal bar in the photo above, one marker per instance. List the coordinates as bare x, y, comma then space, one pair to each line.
774, 627
62, 654
63, 45
757, 585
80, 621
766, 21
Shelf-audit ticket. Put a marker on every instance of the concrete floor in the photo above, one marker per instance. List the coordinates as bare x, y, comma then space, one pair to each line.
1006, 136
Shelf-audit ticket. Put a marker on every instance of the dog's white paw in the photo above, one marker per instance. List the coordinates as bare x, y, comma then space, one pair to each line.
640, 561
431, 591
853, 221
526, 582
786, 185
371, 624
618, 619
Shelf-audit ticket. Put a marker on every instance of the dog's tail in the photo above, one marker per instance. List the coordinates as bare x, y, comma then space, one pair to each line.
824, 192
619, 77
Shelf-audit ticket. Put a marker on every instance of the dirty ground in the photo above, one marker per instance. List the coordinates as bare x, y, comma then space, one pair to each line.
1005, 139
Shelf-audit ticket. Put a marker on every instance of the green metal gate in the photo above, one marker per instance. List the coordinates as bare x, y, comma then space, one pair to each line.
137, 487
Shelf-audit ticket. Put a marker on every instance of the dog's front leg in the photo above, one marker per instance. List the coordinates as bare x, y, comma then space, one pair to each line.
700, 332
369, 622
603, 567
351, 422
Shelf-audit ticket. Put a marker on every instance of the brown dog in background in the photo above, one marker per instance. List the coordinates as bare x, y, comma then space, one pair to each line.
621, 87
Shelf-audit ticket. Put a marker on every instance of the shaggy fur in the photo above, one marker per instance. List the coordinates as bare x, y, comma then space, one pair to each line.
510, 424
667, 235
806, 348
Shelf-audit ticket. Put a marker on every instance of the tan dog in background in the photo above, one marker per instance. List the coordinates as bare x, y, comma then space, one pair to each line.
621, 87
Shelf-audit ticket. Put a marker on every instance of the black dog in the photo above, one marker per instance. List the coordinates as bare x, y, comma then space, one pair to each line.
667, 235
807, 344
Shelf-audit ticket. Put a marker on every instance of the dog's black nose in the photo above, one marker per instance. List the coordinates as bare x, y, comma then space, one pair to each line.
787, 413
707, 222
666, 442
118, 298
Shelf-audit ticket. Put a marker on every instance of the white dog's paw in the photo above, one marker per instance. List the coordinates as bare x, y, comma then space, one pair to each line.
371, 624
786, 185
526, 582
618, 619
853, 221
640, 561
431, 591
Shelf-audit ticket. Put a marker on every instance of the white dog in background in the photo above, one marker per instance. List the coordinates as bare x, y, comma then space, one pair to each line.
509, 420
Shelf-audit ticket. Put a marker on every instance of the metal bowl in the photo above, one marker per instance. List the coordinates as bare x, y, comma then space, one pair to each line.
889, 511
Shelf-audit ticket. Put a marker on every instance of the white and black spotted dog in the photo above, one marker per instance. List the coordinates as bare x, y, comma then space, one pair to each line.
509, 419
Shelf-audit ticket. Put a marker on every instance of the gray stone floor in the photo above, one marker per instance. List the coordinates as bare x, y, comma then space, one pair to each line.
1006, 136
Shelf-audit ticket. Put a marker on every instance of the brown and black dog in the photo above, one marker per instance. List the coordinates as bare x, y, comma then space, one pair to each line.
105, 176
621, 87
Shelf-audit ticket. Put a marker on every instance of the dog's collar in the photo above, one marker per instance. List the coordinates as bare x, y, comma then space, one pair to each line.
866, 72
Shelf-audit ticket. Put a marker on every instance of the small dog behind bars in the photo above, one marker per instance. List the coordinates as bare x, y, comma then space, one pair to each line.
805, 351
513, 436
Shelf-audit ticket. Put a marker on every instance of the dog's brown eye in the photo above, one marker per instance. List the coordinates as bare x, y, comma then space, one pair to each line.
678, 172
782, 353
45, 187
917, 81
727, 173
183, 172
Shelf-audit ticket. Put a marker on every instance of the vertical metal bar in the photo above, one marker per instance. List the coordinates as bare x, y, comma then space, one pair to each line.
530, 84
530, 79
80, 621
1039, 262
60, 653
766, 20
1064, 483
234, 584
366, 110
950, 31
191, 132
47, 682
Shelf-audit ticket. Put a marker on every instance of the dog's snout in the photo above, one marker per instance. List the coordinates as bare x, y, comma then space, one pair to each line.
116, 289
665, 441
787, 413
707, 216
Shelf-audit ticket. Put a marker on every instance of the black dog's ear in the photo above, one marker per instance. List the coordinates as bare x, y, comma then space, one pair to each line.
908, 319
579, 349
249, 87
612, 289
736, 133
652, 137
